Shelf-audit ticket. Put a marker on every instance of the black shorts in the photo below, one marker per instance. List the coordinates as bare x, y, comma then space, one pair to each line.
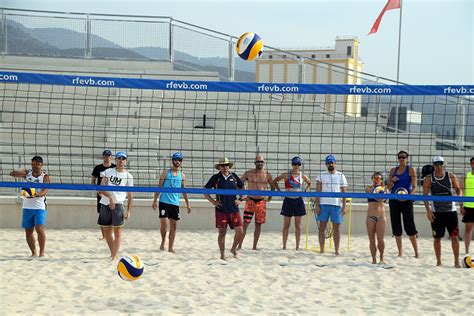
469, 217
293, 207
169, 211
399, 209
98, 203
108, 217
443, 221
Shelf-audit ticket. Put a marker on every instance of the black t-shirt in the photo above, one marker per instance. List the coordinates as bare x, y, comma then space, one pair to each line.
232, 182
98, 169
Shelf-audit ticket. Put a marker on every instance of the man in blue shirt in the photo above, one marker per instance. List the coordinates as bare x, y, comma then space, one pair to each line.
169, 202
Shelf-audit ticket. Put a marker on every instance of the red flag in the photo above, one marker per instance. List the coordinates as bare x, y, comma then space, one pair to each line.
391, 4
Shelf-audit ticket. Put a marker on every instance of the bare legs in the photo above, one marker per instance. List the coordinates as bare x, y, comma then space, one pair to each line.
237, 240
455, 247
286, 230
376, 230
256, 235
171, 236
414, 244
113, 236
468, 236
31, 241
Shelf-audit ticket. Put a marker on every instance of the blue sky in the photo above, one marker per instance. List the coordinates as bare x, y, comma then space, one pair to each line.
437, 36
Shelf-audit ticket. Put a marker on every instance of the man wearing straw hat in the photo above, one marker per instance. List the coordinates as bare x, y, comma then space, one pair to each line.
226, 206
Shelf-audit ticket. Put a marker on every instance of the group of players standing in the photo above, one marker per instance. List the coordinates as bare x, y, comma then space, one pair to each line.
110, 204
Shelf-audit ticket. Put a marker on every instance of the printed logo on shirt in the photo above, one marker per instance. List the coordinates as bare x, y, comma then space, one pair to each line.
115, 180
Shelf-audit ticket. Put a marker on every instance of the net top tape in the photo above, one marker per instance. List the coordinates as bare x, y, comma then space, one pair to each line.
92, 187
239, 87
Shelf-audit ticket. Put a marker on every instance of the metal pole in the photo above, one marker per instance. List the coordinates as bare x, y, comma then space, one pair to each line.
88, 52
170, 44
231, 73
397, 105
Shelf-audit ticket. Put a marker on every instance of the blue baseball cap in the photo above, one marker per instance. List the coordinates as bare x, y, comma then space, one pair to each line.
177, 156
296, 161
330, 158
121, 154
107, 153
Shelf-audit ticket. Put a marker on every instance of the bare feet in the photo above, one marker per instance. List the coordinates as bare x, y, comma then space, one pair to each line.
234, 252
223, 258
171, 250
239, 247
254, 248
417, 256
456, 264
162, 247
337, 253
41, 254
438, 264
33, 254
400, 254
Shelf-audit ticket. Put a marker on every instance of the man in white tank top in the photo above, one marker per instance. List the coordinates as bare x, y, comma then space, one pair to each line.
34, 208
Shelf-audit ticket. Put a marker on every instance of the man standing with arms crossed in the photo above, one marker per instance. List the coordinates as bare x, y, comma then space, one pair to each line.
34, 208
327, 207
257, 179
112, 213
169, 202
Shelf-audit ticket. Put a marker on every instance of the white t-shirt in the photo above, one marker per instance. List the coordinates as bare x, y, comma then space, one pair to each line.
118, 179
331, 182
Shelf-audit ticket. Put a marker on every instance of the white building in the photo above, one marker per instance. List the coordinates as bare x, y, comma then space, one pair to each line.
338, 65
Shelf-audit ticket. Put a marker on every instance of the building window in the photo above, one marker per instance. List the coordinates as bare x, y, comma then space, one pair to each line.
328, 56
313, 56
270, 56
349, 50
284, 56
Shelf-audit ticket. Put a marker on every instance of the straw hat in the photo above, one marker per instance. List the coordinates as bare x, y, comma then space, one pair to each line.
223, 161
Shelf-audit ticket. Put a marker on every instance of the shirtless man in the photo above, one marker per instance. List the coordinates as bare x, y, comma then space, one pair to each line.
257, 179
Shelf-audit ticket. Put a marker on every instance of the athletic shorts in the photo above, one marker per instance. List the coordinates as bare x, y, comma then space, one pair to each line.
443, 221
257, 207
399, 209
330, 211
108, 217
231, 219
293, 207
469, 217
31, 218
98, 203
169, 211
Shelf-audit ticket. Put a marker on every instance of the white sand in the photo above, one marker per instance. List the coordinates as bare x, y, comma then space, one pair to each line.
77, 278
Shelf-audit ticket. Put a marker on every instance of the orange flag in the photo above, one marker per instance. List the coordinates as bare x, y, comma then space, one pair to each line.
391, 4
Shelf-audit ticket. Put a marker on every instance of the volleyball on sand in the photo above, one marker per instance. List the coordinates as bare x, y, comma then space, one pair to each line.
28, 192
130, 268
249, 46
467, 262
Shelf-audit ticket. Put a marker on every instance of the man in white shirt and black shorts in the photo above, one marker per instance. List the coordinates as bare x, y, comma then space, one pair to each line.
112, 214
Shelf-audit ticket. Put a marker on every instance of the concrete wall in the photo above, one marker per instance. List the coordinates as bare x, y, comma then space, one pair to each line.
81, 213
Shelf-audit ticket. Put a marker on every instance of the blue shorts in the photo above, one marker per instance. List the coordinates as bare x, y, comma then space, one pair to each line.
332, 211
31, 218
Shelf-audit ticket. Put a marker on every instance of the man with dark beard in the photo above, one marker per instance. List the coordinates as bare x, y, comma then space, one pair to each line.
328, 207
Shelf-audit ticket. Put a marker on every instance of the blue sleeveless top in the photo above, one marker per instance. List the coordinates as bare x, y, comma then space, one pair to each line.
404, 180
172, 181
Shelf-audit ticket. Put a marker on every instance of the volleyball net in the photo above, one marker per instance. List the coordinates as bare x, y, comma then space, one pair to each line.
70, 120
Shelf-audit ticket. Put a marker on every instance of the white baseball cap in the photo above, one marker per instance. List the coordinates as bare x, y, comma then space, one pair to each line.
438, 159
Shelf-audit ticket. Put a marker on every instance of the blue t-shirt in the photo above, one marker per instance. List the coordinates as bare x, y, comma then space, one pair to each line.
172, 181
232, 182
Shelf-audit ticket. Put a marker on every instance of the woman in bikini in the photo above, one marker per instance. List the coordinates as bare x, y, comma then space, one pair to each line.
376, 219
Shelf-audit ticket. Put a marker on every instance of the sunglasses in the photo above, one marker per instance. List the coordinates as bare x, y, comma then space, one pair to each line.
402, 157
438, 164
259, 161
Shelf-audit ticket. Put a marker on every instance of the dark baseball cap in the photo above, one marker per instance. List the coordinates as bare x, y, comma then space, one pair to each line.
107, 153
37, 158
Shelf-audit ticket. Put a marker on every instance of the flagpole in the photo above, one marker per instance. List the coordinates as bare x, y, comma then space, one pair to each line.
398, 102
399, 41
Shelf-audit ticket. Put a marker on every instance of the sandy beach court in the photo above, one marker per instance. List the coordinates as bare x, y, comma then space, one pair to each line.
77, 277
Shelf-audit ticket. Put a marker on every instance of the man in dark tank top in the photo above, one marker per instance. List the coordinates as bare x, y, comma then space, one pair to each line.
442, 214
